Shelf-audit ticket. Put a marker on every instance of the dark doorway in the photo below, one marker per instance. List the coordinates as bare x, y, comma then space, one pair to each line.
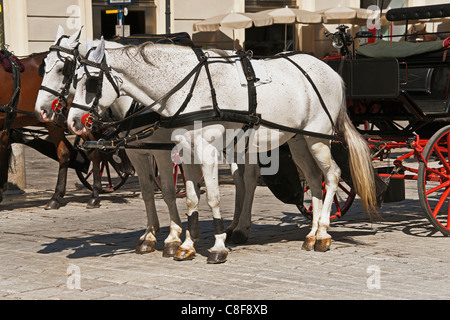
267, 41
135, 19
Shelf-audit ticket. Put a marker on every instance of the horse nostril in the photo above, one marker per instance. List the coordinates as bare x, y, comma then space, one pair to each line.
42, 113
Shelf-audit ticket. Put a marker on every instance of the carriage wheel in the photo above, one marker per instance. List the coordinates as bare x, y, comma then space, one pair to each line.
111, 177
342, 201
433, 182
178, 178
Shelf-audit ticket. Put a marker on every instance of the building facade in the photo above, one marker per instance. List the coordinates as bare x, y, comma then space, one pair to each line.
29, 26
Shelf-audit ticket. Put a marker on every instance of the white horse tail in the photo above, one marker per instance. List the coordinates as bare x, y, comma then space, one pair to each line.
360, 160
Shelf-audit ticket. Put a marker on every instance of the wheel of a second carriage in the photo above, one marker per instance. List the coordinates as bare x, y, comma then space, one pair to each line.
433, 181
342, 201
112, 178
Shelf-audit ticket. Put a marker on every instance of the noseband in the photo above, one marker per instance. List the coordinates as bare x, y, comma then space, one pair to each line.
70, 65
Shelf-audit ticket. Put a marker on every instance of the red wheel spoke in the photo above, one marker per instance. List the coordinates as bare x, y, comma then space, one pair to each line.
102, 167
443, 185
436, 172
89, 174
442, 158
441, 202
336, 203
343, 188
448, 218
175, 174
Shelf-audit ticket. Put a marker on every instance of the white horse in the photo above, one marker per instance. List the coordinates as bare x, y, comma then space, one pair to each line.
142, 161
149, 72
245, 177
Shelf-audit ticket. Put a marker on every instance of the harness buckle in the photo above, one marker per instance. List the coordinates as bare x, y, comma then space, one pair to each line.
58, 106
88, 120
256, 120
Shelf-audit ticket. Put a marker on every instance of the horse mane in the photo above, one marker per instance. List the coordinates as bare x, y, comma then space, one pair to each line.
141, 49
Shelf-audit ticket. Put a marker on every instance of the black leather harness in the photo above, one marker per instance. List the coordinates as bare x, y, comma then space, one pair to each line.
249, 118
70, 65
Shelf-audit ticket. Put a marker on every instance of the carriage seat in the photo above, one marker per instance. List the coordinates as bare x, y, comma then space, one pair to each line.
7, 64
403, 49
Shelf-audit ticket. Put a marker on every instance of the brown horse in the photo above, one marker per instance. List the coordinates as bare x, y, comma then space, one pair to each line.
30, 82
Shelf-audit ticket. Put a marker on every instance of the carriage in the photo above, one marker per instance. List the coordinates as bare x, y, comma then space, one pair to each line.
398, 96
398, 102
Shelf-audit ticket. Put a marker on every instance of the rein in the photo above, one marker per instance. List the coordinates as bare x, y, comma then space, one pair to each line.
11, 108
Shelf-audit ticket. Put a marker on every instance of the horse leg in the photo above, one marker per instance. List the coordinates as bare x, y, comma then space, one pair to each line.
95, 156
237, 174
5, 156
63, 151
144, 170
321, 151
94, 201
193, 175
210, 170
240, 233
304, 160
165, 169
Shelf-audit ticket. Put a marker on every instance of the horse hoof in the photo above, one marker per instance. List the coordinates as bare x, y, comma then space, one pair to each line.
308, 244
322, 245
238, 237
216, 257
146, 246
170, 249
52, 205
93, 203
184, 254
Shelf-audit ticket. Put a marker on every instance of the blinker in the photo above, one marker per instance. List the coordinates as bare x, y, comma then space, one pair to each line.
41, 70
68, 67
92, 84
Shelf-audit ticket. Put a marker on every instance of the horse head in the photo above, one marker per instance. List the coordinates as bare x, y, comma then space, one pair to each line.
59, 67
97, 89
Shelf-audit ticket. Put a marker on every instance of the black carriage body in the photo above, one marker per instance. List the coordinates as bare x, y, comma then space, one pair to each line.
383, 91
391, 81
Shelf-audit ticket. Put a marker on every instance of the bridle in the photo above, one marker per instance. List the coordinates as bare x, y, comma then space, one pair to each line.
70, 65
94, 85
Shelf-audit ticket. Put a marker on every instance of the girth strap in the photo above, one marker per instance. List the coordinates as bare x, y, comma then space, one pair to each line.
313, 85
250, 76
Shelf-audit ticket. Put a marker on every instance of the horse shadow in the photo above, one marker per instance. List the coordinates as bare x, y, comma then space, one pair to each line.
351, 230
81, 195
112, 244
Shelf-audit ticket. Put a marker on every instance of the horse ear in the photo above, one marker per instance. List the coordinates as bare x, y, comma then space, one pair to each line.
59, 33
99, 52
74, 39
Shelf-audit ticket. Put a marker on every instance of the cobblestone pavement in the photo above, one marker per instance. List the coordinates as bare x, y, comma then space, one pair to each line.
76, 253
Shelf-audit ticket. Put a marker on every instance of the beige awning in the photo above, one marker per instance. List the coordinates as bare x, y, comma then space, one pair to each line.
345, 13
291, 15
234, 20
